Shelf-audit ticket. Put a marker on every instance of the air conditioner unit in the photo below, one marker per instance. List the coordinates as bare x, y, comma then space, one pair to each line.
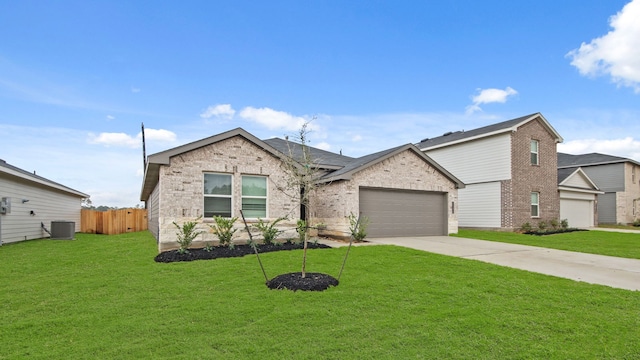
63, 230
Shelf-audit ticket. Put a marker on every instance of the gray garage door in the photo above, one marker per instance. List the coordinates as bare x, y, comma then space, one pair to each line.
404, 213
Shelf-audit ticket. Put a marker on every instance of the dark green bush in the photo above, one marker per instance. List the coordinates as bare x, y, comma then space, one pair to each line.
269, 230
224, 229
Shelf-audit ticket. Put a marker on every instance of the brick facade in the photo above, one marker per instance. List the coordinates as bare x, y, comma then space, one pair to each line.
181, 187
334, 202
527, 178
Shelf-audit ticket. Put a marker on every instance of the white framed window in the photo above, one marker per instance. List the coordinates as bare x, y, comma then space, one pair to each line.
535, 159
254, 196
218, 195
535, 204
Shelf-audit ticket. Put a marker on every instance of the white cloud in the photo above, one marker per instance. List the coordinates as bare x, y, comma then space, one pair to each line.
323, 146
486, 96
161, 135
221, 110
626, 147
110, 117
356, 138
114, 139
126, 140
273, 119
135, 90
617, 53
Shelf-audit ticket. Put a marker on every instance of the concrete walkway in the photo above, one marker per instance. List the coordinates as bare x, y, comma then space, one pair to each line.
595, 269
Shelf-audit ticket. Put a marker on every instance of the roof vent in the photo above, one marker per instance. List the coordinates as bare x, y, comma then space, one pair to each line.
447, 133
423, 140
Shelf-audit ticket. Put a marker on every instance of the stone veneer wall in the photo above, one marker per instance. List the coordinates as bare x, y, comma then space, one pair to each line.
527, 178
334, 202
181, 187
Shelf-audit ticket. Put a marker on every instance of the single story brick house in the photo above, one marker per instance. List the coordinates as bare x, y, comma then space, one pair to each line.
402, 191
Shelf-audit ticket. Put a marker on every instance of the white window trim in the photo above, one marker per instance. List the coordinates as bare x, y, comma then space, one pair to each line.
217, 195
266, 197
536, 204
537, 152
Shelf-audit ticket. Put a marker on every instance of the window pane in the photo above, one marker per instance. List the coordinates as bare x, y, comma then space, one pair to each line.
534, 146
534, 210
217, 184
217, 206
254, 208
254, 186
534, 198
534, 159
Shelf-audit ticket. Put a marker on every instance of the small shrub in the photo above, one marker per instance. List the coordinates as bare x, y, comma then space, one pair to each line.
564, 224
554, 224
526, 227
186, 234
208, 247
358, 229
269, 230
224, 230
636, 223
542, 225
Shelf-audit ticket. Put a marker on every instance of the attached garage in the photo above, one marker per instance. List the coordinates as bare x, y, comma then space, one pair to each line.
395, 213
578, 196
578, 212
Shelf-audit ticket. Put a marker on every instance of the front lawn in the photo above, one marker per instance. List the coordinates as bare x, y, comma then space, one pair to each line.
104, 297
626, 245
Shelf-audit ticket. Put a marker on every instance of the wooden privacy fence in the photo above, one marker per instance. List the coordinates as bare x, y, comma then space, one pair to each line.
113, 222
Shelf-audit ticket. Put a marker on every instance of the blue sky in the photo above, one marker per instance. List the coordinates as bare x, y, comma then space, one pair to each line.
77, 78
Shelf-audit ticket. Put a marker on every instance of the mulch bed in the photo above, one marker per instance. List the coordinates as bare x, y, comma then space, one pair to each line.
291, 281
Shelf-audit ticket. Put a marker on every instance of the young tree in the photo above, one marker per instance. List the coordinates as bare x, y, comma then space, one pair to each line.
302, 171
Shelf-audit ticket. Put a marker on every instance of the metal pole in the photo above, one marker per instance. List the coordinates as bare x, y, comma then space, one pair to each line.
349, 248
253, 245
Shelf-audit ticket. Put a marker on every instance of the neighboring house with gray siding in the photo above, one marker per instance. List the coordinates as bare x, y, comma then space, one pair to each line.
34, 201
617, 177
232, 171
509, 170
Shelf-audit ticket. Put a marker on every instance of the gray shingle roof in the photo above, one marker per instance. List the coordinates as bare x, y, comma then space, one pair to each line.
318, 156
461, 136
569, 160
563, 174
31, 176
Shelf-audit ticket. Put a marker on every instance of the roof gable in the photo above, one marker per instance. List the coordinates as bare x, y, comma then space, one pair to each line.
575, 177
366, 161
452, 138
32, 177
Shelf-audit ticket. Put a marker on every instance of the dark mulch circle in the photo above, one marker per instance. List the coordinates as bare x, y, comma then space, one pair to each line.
226, 252
295, 281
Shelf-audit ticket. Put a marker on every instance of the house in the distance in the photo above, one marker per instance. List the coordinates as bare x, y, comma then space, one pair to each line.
509, 169
401, 190
617, 177
29, 204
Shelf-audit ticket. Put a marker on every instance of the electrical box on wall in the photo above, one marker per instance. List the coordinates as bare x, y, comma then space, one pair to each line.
5, 205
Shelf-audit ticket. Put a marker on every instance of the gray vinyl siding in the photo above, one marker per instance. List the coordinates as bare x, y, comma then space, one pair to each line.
47, 204
482, 160
607, 208
153, 208
479, 205
607, 177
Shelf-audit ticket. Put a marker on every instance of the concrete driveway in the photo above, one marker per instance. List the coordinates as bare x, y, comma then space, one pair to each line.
595, 269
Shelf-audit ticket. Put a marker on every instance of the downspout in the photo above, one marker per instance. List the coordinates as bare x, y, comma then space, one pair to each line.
0, 229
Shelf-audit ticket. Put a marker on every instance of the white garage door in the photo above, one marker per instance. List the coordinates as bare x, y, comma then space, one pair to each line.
394, 213
579, 213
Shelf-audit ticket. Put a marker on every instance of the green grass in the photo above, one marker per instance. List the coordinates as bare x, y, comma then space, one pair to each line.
104, 297
626, 245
